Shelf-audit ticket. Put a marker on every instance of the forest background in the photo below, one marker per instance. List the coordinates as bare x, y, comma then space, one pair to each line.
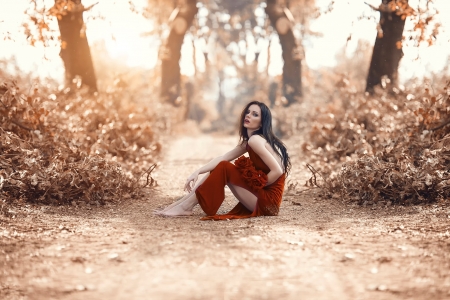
206, 60
91, 92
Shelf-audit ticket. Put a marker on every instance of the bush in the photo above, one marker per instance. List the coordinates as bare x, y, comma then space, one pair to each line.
391, 147
60, 146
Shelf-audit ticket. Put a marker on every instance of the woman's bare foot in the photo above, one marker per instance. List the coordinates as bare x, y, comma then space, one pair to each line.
182, 207
175, 211
159, 211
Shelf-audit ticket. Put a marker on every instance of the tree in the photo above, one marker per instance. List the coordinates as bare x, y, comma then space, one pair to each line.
233, 29
281, 18
181, 19
75, 51
387, 51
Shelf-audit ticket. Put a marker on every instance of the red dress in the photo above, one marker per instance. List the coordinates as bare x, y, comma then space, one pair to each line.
211, 193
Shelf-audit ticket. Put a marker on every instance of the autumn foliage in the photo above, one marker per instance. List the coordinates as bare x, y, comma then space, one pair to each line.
67, 146
383, 149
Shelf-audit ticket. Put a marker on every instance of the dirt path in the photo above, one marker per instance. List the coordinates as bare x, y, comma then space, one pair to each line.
315, 249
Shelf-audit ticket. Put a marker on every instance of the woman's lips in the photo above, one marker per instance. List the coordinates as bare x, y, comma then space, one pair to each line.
246, 121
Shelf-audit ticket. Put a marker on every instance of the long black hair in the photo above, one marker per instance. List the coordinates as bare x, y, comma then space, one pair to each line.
266, 131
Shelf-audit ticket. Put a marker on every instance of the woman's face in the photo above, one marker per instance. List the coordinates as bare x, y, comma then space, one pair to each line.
252, 118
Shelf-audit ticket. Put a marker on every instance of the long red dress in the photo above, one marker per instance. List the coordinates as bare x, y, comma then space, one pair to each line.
211, 193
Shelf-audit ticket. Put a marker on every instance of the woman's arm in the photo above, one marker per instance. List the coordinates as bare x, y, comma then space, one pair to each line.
258, 145
230, 155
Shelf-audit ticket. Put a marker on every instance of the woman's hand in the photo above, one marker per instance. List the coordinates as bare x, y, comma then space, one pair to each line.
192, 178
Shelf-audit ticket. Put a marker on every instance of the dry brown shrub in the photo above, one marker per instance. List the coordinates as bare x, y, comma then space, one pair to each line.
393, 147
68, 146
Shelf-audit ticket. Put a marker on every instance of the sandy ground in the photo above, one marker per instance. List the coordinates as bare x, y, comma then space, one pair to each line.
316, 248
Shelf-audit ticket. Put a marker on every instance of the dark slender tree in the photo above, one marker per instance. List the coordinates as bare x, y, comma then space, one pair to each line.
387, 50
281, 18
75, 51
181, 20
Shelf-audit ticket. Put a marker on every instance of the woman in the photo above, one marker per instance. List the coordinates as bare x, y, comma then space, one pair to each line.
257, 182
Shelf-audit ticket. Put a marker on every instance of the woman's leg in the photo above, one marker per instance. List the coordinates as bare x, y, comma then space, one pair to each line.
183, 208
211, 194
247, 198
184, 198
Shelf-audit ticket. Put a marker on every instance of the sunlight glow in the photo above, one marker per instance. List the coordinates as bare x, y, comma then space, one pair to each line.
200, 49
187, 66
122, 33
263, 47
13, 44
275, 66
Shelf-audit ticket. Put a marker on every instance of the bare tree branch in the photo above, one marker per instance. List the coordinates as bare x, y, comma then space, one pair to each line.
90, 7
81, 8
21, 125
382, 8
441, 126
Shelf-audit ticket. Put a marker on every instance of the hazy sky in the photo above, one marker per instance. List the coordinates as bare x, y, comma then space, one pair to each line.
129, 46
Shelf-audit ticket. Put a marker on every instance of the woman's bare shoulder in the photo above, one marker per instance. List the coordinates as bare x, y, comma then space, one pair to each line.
256, 140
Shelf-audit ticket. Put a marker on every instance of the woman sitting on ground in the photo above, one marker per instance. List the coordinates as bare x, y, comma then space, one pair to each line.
257, 182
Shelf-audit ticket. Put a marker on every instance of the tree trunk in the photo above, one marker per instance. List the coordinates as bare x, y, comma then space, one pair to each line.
387, 50
75, 51
171, 50
292, 83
